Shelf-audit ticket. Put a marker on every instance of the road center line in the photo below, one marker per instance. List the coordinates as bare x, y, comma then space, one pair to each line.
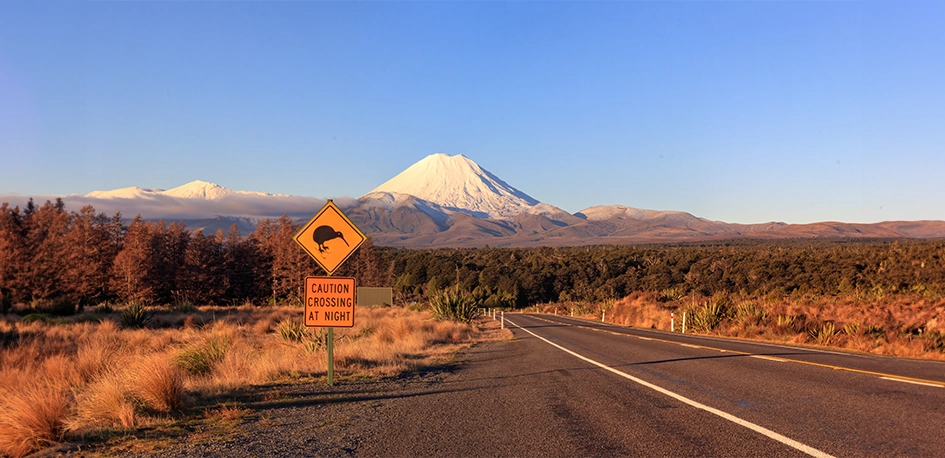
745, 423
910, 381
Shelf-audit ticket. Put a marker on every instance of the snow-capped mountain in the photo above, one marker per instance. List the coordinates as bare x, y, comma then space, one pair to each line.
447, 200
132, 192
196, 189
458, 184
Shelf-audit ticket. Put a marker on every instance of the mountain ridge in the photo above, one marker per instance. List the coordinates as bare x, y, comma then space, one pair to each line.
444, 200
196, 189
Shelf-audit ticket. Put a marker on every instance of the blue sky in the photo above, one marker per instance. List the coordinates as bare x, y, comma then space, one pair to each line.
740, 111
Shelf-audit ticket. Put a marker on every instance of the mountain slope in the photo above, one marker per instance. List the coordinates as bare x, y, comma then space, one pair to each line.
449, 201
458, 184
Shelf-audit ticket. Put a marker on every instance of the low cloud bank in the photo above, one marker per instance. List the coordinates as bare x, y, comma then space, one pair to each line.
174, 208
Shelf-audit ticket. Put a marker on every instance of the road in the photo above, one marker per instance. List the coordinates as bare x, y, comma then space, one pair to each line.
567, 387
811, 401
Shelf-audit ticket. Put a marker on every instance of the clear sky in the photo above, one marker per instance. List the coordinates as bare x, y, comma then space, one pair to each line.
740, 111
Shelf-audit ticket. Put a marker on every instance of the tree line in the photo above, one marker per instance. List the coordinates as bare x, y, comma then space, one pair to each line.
56, 260
520, 277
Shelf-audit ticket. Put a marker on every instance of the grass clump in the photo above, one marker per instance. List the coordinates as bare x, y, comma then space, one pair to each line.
294, 331
134, 316
32, 418
823, 334
291, 330
454, 304
46, 318
200, 359
708, 315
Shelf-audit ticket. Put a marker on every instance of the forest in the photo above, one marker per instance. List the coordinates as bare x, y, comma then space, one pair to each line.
58, 261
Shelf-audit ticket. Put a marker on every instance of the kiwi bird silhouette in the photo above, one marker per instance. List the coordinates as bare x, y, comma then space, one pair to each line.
323, 234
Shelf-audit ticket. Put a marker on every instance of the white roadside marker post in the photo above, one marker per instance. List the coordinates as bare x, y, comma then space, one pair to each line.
672, 322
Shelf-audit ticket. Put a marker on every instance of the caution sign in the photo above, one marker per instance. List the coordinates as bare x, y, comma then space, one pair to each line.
330, 237
329, 301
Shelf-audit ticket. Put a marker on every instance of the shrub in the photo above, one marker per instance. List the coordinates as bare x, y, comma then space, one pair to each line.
134, 316
823, 334
707, 316
670, 295
454, 305
750, 312
291, 330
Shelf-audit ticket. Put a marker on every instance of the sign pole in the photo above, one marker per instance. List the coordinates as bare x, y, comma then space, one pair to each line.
331, 356
331, 352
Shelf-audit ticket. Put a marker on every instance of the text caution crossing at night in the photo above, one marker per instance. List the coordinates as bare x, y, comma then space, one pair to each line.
329, 301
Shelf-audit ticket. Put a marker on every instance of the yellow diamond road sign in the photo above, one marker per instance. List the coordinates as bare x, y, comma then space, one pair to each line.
330, 237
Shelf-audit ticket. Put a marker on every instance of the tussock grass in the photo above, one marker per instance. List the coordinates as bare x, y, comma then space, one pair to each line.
32, 417
900, 325
68, 381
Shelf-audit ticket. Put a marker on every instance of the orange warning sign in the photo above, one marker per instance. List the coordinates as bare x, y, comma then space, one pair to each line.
329, 301
330, 237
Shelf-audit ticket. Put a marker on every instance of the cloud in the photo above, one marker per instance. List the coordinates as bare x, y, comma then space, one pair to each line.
176, 208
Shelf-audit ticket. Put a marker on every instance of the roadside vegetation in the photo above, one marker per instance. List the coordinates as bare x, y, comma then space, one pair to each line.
100, 374
899, 325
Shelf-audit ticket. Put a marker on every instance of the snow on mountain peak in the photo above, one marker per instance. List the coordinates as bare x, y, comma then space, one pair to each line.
196, 189
126, 193
457, 183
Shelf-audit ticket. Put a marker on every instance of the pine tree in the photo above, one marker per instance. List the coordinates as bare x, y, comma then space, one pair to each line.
46, 230
90, 251
12, 257
133, 269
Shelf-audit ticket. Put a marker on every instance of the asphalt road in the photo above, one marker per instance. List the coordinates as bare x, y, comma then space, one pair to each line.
817, 401
566, 387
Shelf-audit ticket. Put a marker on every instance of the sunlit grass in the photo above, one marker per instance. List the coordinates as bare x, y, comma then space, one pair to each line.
70, 380
900, 325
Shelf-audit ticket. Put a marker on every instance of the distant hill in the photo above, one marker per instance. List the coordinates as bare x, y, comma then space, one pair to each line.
447, 200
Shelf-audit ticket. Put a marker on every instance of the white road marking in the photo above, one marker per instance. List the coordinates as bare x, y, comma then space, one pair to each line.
911, 381
644, 338
690, 345
747, 424
769, 358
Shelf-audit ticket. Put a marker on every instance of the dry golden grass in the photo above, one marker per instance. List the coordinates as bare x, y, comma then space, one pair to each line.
902, 326
70, 380
32, 417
